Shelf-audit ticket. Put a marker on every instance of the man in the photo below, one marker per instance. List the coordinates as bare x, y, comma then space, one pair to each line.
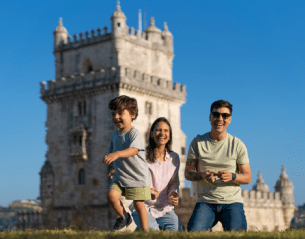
220, 163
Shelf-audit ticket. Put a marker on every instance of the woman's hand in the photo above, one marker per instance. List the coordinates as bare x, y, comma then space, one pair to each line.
110, 175
174, 198
224, 176
154, 193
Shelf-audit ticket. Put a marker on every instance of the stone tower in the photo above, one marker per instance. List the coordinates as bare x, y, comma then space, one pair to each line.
285, 187
90, 70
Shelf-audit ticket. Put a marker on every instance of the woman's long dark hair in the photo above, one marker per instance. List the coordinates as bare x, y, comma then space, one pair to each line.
150, 156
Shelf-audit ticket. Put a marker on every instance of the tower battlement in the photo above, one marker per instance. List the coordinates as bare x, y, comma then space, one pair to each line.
123, 77
129, 34
152, 37
83, 39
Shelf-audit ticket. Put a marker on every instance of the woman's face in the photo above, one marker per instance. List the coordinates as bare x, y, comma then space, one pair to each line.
161, 133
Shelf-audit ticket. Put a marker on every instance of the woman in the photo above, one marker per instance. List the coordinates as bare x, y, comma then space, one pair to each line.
163, 166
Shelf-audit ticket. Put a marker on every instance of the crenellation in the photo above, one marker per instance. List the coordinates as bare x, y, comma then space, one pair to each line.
138, 33
42, 87
80, 36
87, 34
132, 31
277, 195
92, 33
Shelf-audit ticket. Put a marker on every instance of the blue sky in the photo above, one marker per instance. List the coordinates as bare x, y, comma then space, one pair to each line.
250, 53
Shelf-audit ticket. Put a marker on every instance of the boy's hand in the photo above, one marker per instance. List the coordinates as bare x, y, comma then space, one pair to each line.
174, 198
154, 193
110, 175
110, 158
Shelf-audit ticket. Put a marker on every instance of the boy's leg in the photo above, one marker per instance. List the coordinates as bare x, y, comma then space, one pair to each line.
113, 198
142, 213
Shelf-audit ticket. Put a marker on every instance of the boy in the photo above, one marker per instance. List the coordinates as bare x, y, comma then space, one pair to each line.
131, 175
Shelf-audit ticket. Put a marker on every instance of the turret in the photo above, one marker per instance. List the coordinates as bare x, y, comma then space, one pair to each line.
285, 187
167, 37
260, 185
60, 34
118, 21
46, 184
152, 32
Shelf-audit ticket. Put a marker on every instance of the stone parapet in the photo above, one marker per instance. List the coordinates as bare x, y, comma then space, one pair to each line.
29, 220
128, 34
83, 39
261, 199
97, 81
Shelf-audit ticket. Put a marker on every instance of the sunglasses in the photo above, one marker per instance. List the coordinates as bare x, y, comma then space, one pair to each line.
217, 115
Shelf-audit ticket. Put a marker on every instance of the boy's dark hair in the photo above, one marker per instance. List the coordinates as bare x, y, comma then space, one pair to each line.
221, 103
150, 156
124, 102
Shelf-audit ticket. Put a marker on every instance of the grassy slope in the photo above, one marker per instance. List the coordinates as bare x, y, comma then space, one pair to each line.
293, 234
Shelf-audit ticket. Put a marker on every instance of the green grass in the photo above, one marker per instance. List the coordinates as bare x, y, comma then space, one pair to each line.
61, 234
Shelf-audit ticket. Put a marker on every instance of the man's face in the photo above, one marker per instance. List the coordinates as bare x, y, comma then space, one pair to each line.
218, 123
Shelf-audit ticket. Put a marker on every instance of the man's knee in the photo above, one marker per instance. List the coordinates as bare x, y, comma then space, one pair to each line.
233, 218
202, 218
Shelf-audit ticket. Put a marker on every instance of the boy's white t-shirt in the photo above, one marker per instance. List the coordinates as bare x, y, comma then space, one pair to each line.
132, 171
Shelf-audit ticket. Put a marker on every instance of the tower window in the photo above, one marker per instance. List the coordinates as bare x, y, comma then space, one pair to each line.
80, 139
82, 108
119, 24
81, 176
89, 68
182, 150
148, 108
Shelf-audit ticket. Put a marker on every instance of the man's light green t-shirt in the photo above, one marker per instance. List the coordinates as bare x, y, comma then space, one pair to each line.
217, 156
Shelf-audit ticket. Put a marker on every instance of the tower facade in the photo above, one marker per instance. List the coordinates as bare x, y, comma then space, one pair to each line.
92, 68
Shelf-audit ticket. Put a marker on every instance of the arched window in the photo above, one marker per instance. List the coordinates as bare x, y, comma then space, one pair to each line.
87, 66
82, 108
81, 176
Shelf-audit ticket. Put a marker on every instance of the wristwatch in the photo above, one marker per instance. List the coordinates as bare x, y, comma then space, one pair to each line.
233, 177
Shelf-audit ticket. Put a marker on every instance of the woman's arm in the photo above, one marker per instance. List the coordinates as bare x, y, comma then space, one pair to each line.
173, 185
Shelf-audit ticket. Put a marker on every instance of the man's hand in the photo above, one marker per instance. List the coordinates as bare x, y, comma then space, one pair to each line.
209, 176
224, 176
154, 193
110, 175
174, 198
110, 158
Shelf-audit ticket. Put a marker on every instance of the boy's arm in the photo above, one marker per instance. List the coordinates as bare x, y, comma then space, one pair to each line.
120, 154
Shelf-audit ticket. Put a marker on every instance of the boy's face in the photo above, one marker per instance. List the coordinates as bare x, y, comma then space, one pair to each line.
122, 119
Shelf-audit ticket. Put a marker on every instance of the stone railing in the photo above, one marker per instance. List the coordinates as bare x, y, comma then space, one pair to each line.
125, 77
